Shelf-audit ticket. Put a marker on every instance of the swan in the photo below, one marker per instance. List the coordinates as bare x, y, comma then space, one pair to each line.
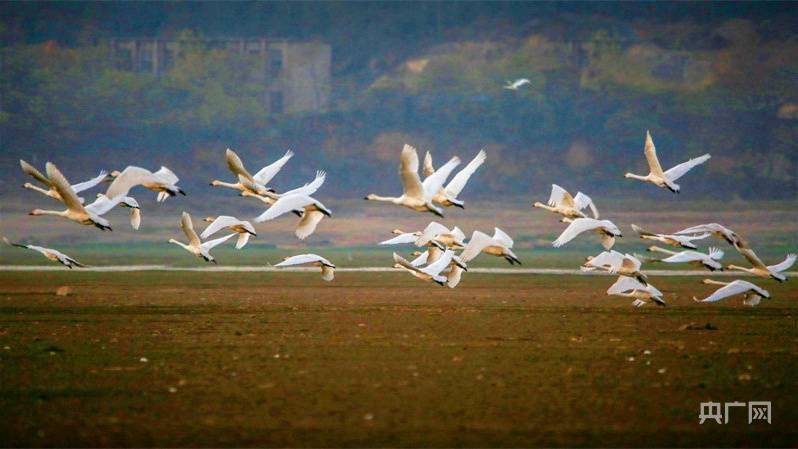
684, 241
163, 181
311, 209
752, 294
759, 269
429, 273
252, 184
243, 228
561, 202
54, 255
605, 228
75, 210
417, 195
102, 202
51, 191
709, 260
327, 268
668, 178
641, 292
616, 263
514, 85
436, 234
447, 196
195, 246
499, 245
731, 237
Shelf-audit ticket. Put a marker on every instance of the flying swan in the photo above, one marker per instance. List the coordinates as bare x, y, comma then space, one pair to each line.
752, 294
54, 255
327, 268
561, 202
668, 178
447, 196
195, 245
605, 228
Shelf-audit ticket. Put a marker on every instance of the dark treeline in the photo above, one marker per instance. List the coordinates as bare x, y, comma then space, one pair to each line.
704, 77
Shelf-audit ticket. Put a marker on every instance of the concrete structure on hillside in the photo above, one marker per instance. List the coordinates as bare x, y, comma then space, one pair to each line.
296, 74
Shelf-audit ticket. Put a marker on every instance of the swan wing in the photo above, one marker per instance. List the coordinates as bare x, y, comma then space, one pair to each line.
401, 239
428, 168
302, 259
166, 176
420, 260
678, 171
135, 218
130, 177
311, 187
432, 230
307, 224
103, 204
61, 185
576, 227
458, 233
188, 229
706, 228
210, 244
734, 288
612, 259
433, 183
221, 222
651, 155
685, 256
752, 258
36, 174
557, 195
479, 240
439, 265
283, 205
624, 284
582, 201
85, 185
268, 172
235, 165
502, 237
408, 172
784, 265
459, 180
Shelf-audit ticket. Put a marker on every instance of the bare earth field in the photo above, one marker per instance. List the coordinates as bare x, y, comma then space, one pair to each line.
382, 359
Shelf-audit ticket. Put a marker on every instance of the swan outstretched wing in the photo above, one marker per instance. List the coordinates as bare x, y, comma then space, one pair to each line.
302, 259
408, 172
439, 265
311, 187
401, 239
61, 185
432, 230
421, 259
103, 204
85, 185
135, 218
678, 171
479, 240
502, 237
166, 176
428, 168
685, 256
458, 234
433, 183
285, 204
752, 258
188, 229
734, 288
210, 244
268, 172
130, 177
31, 170
459, 180
557, 195
784, 265
224, 221
651, 155
235, 164
612, 259
576, 227
307, 224
704, 228
624, 284
715, 253
582, 201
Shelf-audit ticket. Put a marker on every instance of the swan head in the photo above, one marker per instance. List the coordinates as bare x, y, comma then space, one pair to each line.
216, 182
537, 204
111, 176
173, 241
397, 232
370, 197
209, 219
36, 212
27, 185
416, 253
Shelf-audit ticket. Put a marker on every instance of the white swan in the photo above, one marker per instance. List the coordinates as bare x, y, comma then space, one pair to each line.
327, 267
253, 185
616, 263
417, 195
605, 228
429, 273
75, 210
633, 288
436, 234
244, 229
752, 294
51, 191
447, 196
731, 237
195, 246
312, 213
514, 85
709, 260
500, 245
684, 241
561, 202
54, 255
666, 179
759, 269
105, 204
163, 181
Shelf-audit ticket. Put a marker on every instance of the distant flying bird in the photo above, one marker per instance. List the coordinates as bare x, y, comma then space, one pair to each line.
431, 272
633, 288
759, 269
514, 85
51, 191
327, 267
668, 178
752, 294
684, 241
249, 184
75, 210
605, 228
447, 196
417, 195
561, 202
708, 260
54, 255
312, 212
616, 263
163, 182
195, 246
500, 245
243, 228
